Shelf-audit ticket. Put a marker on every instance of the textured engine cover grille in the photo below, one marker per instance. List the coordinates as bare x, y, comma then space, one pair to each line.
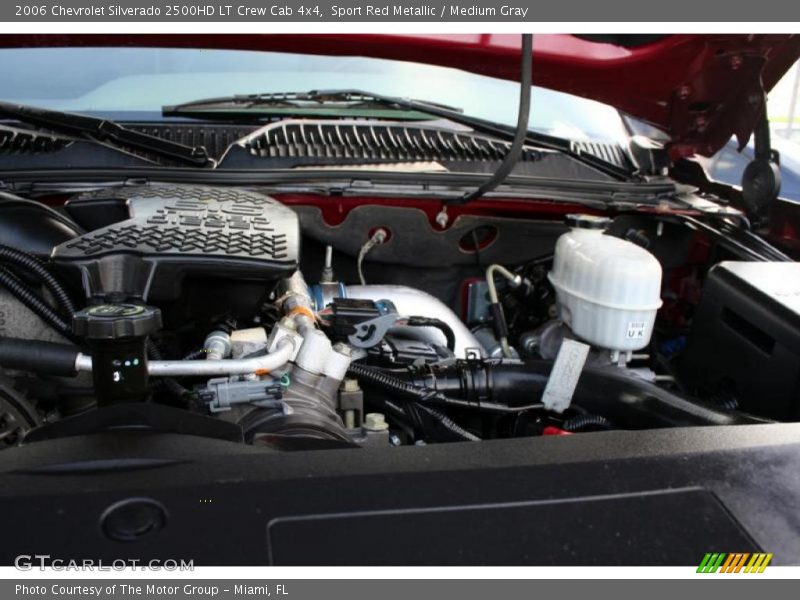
175, 230
202, 239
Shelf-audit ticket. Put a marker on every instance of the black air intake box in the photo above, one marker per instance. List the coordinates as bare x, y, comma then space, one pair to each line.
169, 232
745, 338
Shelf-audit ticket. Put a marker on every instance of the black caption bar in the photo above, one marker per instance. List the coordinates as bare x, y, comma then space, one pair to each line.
340, 11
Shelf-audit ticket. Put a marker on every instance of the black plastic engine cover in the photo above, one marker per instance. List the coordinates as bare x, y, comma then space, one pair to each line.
177, 230
745, 338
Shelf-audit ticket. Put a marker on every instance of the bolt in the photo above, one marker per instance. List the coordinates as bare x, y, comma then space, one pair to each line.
736, 62
700, 123
350, 385
530, 345
684, 92
375, 422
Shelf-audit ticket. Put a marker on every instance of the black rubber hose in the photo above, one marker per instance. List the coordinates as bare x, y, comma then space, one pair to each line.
438, 324
34, 302
32, 264
629, 401
587, 423
413, 389
38, 356
483, 383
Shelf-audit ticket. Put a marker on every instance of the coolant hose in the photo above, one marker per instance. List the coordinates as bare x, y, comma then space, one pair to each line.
37, 356
32, 264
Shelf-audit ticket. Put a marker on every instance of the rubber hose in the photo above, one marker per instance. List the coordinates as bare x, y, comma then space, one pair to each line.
438, 324
34, 302
32, 264
38, 356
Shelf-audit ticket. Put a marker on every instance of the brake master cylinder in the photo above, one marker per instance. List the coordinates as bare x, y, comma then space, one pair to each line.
608, 290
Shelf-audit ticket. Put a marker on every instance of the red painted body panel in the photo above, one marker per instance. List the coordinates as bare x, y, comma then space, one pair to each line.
699, 88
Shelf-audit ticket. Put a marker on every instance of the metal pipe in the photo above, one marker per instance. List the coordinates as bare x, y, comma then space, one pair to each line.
515, 281
411, 302
295, 301
217, 345
210, 368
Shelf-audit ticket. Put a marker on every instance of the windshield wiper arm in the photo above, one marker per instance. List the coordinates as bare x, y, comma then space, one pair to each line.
353, 99
541, 140
105, 132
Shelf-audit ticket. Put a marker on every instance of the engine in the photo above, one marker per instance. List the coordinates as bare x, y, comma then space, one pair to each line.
185, 308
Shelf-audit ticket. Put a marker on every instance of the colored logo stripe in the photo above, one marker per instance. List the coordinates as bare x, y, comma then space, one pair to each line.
710, 563
758, 563
734, 563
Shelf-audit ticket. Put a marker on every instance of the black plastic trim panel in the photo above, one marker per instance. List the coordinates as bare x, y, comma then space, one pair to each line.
660, 497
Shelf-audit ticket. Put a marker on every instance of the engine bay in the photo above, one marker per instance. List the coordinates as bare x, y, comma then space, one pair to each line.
293, 324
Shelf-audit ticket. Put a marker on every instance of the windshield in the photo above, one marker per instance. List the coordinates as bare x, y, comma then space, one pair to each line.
134, 83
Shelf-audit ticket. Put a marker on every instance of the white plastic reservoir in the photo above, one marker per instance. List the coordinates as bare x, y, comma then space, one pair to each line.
607, 289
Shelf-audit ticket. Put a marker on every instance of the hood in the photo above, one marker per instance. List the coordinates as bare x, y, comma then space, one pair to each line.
700, 89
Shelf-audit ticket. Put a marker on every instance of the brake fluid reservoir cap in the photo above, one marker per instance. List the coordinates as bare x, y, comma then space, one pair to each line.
579, 221
116, 321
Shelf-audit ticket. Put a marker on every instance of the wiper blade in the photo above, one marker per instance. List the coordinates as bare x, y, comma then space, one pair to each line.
103, 131
441, 111
351, 99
